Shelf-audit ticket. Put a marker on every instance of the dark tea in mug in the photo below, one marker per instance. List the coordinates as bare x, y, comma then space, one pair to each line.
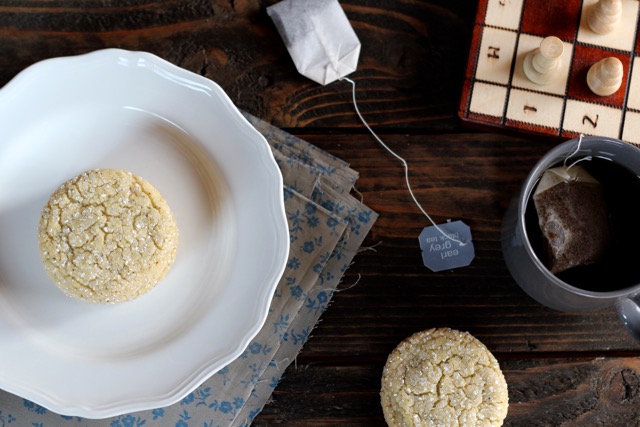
620, 268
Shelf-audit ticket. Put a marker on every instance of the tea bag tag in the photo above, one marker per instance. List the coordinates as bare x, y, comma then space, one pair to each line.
444, 251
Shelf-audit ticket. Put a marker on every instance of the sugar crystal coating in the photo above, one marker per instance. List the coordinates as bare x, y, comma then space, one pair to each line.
107, 236
443, 377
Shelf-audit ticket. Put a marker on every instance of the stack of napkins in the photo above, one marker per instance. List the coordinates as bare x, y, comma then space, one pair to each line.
327, 226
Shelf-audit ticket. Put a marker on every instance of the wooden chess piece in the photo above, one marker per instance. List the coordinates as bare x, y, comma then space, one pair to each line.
541, 64
604, 16
605, 76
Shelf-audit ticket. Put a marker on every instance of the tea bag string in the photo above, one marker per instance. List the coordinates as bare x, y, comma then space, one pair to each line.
402, 160
576, 151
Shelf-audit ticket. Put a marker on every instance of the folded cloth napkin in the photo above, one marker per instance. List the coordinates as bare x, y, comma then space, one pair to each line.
327, 226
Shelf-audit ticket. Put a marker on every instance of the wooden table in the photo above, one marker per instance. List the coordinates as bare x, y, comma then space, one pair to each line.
562, 368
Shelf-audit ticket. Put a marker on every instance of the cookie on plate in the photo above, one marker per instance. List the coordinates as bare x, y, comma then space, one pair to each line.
107, 236
443, 377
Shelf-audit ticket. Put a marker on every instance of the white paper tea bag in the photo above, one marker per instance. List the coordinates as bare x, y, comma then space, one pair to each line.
573, 217
318, 36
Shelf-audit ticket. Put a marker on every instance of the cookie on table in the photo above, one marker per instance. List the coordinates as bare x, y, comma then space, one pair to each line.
107, 236
443, 377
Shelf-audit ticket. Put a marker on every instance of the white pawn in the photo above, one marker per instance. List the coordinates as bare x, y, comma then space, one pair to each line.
604, 16
604, 78
541, 64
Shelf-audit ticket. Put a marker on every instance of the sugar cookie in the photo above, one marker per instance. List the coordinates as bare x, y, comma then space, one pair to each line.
107, 236
443, 377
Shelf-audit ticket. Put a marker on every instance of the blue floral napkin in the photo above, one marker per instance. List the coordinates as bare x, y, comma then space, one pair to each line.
327, 226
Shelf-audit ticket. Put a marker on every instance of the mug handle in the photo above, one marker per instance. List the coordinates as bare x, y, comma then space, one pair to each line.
628, 309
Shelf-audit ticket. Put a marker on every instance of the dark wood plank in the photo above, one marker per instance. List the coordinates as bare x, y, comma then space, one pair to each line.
574, 392
389, 294
546, 392
409, 75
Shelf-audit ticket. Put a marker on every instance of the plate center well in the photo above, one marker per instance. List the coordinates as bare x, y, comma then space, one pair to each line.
69, 142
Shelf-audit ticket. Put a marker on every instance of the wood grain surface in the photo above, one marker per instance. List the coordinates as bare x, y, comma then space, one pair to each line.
563, 369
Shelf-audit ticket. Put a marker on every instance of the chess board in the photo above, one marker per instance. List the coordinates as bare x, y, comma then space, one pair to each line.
497, 92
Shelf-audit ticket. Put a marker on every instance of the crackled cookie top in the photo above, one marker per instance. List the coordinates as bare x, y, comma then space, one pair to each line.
443, 377
107, 236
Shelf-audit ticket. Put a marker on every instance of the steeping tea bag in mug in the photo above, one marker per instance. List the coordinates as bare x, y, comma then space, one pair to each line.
613, 282
573, 217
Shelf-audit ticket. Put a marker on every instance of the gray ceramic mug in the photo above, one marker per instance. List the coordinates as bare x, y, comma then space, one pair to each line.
529, 271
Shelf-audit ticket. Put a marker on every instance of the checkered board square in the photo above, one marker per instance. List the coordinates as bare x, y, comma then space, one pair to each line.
496, 91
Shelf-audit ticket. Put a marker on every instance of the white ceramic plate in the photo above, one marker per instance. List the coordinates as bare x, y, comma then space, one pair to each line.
180, 131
